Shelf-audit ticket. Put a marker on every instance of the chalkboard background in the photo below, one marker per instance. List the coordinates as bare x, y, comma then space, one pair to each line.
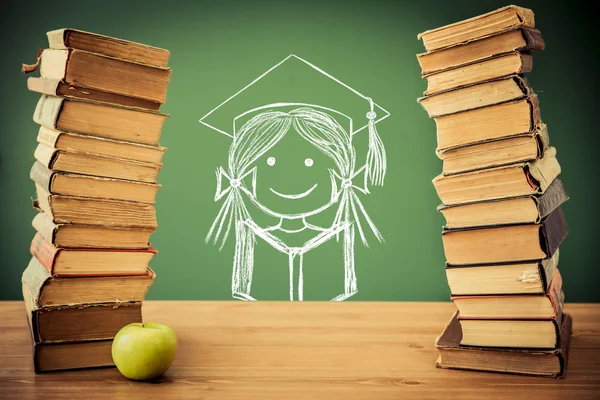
218, 47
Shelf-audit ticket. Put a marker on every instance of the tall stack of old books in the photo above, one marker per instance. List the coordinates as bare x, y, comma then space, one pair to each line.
95, 173
501, 197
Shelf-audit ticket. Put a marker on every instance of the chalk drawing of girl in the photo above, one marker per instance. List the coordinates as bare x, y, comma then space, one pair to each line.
252, 156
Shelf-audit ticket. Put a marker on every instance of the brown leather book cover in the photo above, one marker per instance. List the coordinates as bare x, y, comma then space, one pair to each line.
503, 359
553, 231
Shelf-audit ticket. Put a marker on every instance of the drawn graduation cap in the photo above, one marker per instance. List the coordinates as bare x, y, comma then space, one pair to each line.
293, 83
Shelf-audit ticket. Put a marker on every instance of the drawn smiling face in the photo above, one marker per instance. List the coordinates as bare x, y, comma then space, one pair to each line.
293, 178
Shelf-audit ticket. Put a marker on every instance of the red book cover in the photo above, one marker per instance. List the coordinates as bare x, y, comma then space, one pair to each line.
44, 251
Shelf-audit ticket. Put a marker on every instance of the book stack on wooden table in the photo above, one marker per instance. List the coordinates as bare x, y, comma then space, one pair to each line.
95, 173
501, 197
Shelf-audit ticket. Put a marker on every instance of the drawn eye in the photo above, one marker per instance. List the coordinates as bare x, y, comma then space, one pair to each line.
309, 162
271, 161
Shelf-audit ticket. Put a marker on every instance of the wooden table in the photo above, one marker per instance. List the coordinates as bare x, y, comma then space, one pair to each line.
314, 351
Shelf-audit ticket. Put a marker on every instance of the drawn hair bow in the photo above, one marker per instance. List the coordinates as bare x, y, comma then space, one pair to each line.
351, 204
235, 183
233, 209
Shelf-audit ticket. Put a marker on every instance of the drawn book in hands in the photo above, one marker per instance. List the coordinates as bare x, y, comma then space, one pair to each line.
536, 362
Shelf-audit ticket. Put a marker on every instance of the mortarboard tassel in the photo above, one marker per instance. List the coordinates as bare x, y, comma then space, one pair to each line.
376, 163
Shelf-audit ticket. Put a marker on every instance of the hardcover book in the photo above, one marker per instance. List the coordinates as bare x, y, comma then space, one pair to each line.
99, 119
90, 236
57, 87
493, 22
522, 179
532, 277
68, 184
514, 63
521, 148
505, 243
46, 290
85, 210
84, 69
64, 141
69, 38
80, 162
517, 210
80, 322
515, 118
512, 87
76, 262
522, 40
536, 362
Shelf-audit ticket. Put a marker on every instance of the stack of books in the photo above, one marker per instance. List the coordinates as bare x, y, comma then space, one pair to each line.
501, 197
95, 172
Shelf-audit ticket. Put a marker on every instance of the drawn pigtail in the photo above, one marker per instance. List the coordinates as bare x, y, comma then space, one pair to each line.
243, 261
376, 164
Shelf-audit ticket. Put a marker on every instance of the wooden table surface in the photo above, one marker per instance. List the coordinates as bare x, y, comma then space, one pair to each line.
314, 351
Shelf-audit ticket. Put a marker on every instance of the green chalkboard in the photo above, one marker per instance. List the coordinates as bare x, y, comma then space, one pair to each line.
218, 48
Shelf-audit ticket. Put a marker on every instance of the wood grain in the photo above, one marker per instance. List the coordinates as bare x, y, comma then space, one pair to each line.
311, 350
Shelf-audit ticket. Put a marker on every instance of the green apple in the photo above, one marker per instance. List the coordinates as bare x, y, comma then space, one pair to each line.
143, 351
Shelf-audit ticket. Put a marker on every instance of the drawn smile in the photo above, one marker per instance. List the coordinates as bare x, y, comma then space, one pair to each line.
294, 196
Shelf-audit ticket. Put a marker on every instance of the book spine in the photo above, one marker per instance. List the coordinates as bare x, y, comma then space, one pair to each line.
525, 16
526, 63
41, 175
552, 198
48, 137
34, 278
47, 111
534, 105
555, 293
44, 226
534, 39
43, 85
44, 251
553, 231
547, 268
541, 173
543, 139
45, 155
